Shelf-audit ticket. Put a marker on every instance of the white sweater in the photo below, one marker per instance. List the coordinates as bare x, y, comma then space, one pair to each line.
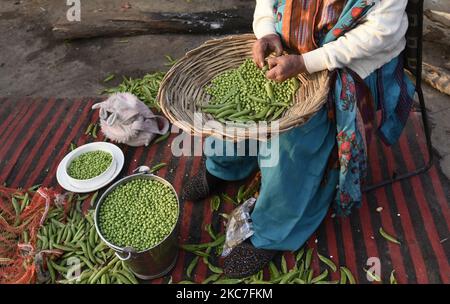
377, 40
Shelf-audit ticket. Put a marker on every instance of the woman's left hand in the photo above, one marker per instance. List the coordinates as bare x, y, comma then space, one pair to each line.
285, 67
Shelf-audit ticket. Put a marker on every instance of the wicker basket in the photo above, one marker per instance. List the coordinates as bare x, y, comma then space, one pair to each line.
182, 89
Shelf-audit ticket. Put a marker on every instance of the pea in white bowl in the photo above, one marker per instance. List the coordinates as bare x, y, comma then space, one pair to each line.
101, 178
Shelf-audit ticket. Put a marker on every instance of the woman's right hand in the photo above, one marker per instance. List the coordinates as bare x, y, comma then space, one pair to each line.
264, 46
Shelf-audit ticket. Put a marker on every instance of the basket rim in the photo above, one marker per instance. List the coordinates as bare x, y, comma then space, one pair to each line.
286, 123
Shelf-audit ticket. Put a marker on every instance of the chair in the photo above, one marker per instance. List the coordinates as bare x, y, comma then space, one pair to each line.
413, 63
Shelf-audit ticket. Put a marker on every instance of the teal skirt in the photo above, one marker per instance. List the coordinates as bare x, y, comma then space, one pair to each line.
294, 195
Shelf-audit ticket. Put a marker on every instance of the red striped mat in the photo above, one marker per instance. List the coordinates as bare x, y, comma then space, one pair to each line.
36, 134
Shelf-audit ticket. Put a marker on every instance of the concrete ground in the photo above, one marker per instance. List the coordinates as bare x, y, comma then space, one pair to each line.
32, 63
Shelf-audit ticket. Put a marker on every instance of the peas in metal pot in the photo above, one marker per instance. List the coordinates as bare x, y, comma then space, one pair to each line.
138, 214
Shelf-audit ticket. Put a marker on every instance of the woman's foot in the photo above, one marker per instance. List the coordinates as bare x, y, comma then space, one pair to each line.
246, 260
201, 186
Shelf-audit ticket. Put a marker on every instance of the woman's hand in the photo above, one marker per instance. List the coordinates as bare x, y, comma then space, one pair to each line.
285, 67
264, 46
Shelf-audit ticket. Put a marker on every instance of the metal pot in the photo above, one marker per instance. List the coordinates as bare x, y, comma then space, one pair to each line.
152, 262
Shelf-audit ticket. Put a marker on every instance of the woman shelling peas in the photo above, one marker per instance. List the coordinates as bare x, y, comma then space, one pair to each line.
323, 161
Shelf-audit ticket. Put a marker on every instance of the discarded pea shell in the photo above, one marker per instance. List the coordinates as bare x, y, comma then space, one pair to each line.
372, 275
283, 264
392, 278
162, 137
308, 258
212, 278
109, 78
191, 266
328, 262
348, 273
320, 277
388, 237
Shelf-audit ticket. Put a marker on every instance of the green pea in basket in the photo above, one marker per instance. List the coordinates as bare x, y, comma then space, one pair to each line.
182, 91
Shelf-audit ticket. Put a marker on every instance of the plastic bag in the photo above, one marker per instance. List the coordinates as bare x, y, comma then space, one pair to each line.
239, 226
125, 119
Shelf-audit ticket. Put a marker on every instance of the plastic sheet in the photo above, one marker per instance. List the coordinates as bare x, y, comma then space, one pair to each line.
239, 226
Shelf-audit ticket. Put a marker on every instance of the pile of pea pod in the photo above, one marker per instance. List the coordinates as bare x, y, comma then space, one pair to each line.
74, 238
300, 270
245, 94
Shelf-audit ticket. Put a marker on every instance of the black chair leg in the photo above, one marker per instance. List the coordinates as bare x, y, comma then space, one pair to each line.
428, 164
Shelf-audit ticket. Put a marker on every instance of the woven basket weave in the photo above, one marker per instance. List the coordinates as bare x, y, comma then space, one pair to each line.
182, 89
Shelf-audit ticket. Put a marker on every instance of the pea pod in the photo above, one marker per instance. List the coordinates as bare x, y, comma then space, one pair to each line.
99, 247
157, 167
16, 206
211, 278
206, 255
308, 258
392, 278
93, 198
62, 270
92, 233
228, 281
301, 269
277, 114
63, 247
98, 274
25, 202
86, 261
289, 276
309, 277
88, 129
230, 94
274, 273
225, 113
372, 275
283, 264
348, 273
51, 271
320, 277
129, 276
201, 253
300, 254
269, 90
280, 104
162, 137
121, 278
217, 111
343, 279
94, 131
240, 114
34, 188
210, 231
215, 269
328, 262
262, 113
215, 203
388, 237
295, 84
191, 266
271, 110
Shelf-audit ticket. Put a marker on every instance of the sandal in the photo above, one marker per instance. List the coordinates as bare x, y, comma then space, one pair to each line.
246, 260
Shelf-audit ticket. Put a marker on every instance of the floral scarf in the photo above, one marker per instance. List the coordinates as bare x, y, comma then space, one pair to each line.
307, 24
